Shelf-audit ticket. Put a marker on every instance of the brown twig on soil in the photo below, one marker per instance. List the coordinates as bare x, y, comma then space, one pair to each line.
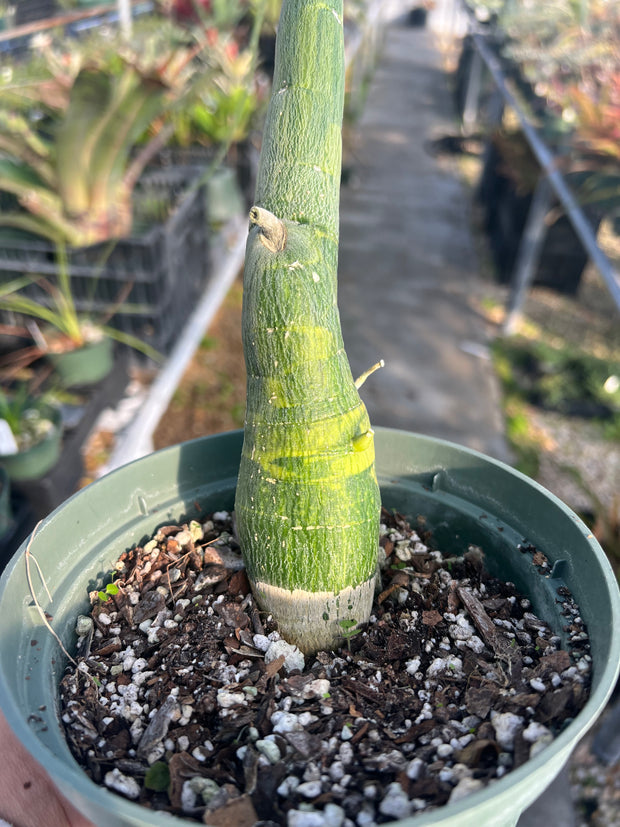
482, 621
494, 639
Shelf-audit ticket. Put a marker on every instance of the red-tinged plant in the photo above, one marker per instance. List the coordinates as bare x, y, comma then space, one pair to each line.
597, 118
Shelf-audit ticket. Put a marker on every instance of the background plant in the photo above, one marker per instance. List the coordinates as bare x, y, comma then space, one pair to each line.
27, 417
224, 110
65, 328
567, 50
67, 135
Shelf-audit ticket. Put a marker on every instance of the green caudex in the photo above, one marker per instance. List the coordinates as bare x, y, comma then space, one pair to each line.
307, 502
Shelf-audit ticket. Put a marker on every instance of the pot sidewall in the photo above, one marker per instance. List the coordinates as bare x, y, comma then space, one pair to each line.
6, 513
85, 365
78, 544
36, 461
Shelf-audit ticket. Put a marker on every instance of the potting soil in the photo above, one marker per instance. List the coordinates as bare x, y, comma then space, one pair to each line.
186, 700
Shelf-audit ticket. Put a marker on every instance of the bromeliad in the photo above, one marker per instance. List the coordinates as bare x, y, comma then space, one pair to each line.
74, 170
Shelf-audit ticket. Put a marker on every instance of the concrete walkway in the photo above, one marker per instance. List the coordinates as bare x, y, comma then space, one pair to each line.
408, 272
408, 277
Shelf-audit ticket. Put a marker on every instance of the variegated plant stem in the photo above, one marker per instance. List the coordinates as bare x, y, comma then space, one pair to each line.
307, 499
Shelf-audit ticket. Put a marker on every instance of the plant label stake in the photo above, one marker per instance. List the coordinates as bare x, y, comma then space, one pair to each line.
8, 443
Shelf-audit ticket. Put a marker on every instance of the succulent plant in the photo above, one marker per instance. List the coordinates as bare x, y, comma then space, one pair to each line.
307, 500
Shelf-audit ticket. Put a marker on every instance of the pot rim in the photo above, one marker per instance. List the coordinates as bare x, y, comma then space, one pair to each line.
74, 777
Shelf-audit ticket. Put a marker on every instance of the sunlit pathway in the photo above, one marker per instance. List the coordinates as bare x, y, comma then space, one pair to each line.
408, 270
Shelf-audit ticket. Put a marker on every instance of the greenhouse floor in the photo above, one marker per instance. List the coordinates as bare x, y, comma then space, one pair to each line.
408, 274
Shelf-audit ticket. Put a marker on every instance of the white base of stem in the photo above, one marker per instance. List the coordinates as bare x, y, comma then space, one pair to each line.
316, 621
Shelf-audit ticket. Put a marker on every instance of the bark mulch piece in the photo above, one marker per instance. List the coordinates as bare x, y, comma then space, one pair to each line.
186, 700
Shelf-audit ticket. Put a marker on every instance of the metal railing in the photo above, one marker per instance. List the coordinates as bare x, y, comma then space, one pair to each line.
18, 38
551, 183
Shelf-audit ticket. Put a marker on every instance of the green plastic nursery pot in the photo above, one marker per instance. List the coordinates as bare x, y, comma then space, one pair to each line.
35, 462
6, 514
224, 198
465, 497
85, 365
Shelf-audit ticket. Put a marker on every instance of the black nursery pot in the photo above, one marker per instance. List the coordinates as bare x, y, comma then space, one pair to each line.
563, 257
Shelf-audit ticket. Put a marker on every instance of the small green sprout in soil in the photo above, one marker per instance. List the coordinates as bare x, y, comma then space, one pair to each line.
110, 590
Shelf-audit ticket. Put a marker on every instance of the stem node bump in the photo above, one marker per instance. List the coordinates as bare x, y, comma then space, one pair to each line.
272, 229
